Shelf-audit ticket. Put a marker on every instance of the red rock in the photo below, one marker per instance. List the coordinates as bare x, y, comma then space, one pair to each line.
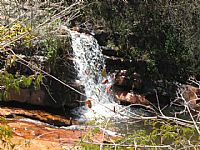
76, 28
30, 96
108, 88
132, 81
190, 94
120, 78
88, 102
104, 81
30, 136
38, 115
125, 96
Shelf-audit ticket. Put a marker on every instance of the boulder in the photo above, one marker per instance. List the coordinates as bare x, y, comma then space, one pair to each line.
191, 96
41, 97
128, 80
125, 97
30, 96
107, 51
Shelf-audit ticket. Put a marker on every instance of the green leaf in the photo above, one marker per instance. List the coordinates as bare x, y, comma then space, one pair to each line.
38, 81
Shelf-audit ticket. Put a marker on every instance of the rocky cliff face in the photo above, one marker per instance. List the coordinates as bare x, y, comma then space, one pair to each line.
130, 83
141, 45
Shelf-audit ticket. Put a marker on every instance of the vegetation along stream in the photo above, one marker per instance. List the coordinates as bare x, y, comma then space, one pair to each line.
91, 74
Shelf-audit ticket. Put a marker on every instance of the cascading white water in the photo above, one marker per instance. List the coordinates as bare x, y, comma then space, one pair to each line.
89, 62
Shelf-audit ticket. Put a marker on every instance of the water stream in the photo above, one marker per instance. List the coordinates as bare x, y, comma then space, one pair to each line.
90, 65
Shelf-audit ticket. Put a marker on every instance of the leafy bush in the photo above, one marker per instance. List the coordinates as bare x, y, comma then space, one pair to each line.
156, 31
9, 39
29, 30
154, 134
6, 135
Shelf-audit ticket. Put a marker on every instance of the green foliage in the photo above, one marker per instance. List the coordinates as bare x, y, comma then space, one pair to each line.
27, 81
152, 133
12, 32
154, 31
10, 81
10, 36
6, 136
53, 46
38, 80
163, 133
34, 32
5, 132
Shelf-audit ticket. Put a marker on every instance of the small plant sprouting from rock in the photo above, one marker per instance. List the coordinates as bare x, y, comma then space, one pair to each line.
6, 136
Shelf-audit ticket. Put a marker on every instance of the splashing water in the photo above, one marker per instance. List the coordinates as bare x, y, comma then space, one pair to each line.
89, 62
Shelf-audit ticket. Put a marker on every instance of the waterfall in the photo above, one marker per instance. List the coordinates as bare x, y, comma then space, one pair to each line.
89, 63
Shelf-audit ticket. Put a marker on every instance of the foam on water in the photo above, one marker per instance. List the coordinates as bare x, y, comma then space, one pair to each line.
89, 63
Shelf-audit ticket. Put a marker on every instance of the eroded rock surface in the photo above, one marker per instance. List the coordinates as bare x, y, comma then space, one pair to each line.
29, 134
37, 115
125, 97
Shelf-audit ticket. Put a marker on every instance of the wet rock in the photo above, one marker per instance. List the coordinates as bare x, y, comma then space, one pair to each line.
125, 97
30, 135
120, 78
132, 81
117, 63
107, 51
40, 97
102, 37
53, 92
39, 135
38, 115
